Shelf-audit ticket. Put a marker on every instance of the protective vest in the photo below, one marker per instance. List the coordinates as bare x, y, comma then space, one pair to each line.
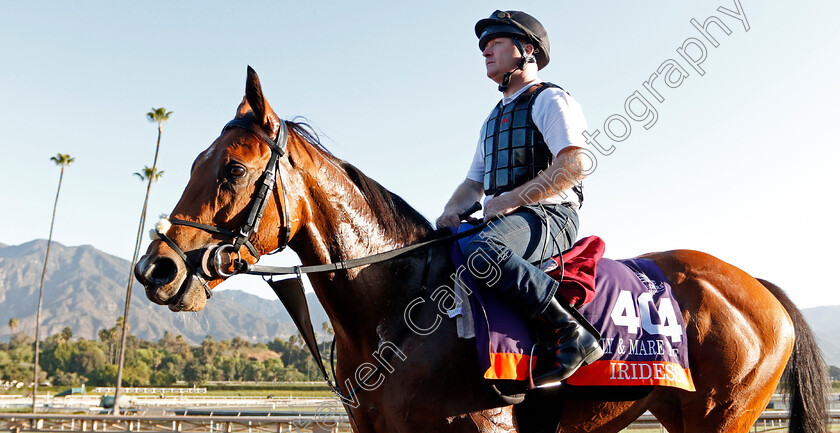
514, 149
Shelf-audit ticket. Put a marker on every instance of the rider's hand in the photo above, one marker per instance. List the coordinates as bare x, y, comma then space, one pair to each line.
449, 218
499, 206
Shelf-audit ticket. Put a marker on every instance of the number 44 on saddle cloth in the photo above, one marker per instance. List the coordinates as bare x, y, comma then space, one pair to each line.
642, 330
630, 303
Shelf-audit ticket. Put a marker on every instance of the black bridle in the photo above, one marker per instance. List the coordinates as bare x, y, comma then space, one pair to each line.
217, 259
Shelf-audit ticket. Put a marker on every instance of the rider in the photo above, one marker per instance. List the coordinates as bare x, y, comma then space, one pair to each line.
528, 167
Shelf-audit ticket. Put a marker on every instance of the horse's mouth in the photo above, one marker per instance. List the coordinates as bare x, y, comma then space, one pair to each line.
191, 297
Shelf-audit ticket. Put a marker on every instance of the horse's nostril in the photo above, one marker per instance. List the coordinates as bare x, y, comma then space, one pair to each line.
158, 274
163, 271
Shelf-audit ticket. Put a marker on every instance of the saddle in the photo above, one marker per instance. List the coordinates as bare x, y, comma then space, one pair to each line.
628, 301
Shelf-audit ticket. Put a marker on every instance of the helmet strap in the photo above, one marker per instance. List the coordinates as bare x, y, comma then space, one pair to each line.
506, 81
522, 61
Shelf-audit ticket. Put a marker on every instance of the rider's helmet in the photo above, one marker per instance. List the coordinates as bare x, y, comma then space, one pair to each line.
519, 26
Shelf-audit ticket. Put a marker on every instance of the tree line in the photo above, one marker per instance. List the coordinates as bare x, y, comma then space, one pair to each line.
68, 361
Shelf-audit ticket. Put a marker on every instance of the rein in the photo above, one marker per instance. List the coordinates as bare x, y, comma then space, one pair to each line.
362, 261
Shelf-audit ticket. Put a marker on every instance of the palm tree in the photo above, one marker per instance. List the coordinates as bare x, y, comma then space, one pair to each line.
62, 160
13, 324
148, 174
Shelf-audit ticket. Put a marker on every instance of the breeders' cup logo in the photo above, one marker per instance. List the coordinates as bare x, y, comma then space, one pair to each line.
652, 287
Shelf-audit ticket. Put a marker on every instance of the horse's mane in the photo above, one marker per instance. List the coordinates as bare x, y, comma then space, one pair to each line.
396, 216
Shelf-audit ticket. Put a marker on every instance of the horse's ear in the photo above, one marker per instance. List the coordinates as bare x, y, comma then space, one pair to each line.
243, 109
255, 99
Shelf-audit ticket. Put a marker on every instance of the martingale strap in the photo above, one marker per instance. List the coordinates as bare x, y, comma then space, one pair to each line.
291, 293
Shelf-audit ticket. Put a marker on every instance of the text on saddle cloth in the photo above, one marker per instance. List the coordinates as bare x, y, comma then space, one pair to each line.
643, 333
638, 317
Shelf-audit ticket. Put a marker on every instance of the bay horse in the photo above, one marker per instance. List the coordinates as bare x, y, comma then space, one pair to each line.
742, 332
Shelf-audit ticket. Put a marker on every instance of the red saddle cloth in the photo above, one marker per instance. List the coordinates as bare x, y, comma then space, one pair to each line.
576, 271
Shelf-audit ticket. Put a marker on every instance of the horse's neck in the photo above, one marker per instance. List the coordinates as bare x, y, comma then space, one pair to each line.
343, 226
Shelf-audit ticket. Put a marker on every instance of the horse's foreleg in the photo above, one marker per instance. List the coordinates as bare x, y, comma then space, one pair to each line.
498, 420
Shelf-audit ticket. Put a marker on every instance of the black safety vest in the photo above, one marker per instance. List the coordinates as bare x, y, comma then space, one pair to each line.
514, 149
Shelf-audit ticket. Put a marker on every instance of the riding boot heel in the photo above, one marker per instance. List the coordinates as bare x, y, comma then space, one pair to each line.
574, 346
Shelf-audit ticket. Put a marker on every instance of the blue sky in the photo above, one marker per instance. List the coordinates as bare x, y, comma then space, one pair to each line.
740, 163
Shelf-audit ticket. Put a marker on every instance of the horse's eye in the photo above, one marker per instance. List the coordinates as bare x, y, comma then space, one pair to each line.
236, 170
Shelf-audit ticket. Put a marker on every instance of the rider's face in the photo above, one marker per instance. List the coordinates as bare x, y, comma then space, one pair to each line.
500, 56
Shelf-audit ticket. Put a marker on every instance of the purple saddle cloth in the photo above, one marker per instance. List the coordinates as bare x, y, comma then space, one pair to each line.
642, 330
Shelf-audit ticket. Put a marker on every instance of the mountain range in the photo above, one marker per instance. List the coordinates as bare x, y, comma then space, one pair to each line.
84, 289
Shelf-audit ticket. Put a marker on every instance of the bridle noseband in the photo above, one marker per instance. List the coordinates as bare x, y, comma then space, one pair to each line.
214, 259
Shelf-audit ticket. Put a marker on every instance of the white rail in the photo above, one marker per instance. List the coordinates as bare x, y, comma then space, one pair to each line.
331, 423
147, 390
18, 423
173, 401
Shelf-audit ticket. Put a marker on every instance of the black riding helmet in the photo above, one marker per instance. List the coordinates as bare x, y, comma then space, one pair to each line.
519, 26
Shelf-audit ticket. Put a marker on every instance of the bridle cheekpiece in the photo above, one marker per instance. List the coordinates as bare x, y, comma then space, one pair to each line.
218, 259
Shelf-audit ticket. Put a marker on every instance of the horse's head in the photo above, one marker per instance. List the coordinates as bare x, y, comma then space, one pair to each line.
230, 194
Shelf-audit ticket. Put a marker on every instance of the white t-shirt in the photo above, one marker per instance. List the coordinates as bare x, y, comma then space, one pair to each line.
559, 117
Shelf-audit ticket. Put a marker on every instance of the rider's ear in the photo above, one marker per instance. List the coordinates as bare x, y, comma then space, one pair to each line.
255, 98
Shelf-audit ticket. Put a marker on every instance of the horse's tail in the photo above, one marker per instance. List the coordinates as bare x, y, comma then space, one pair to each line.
806, 381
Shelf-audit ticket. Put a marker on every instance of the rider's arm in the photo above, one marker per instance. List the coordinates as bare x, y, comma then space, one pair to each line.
561, 121
565, 171
467, 193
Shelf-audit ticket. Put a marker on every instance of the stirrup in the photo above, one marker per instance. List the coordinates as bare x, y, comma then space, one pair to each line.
591, 351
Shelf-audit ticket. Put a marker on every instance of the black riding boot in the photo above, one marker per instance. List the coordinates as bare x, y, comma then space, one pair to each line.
573, 348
